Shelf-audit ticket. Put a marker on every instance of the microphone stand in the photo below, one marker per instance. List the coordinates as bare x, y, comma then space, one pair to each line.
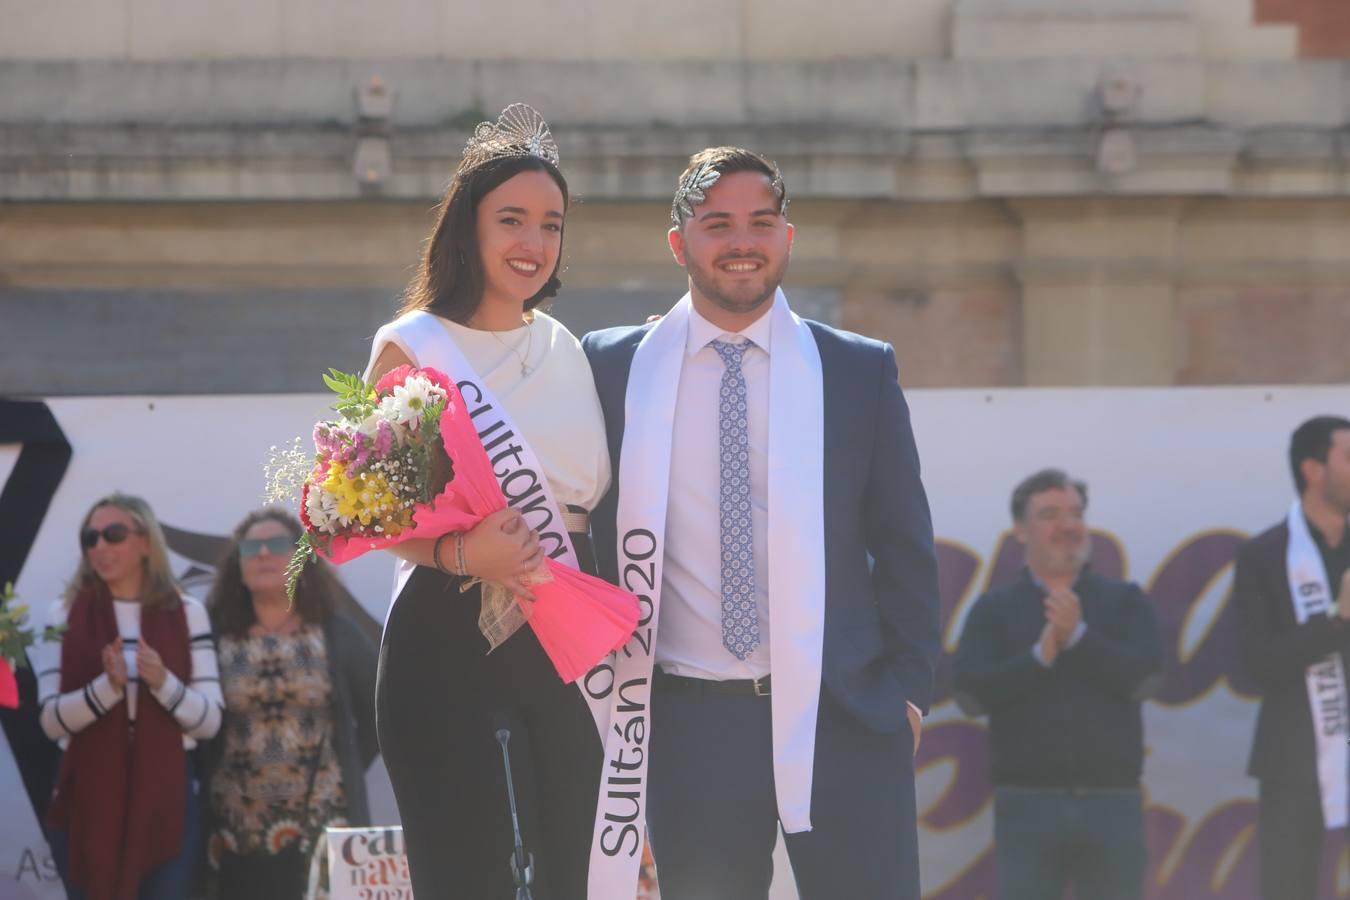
522, 863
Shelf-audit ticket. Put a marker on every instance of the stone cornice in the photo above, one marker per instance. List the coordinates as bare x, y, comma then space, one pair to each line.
932, 130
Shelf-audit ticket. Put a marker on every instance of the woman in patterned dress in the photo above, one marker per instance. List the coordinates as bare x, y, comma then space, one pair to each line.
299, 732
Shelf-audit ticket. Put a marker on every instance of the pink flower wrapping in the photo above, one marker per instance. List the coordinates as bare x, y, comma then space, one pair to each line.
579, 619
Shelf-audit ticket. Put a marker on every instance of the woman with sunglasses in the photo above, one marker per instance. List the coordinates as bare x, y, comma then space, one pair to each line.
299, 681
130, 688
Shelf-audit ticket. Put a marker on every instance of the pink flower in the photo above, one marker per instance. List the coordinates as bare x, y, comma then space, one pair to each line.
392, 378
395, 377
384, 438
359, 454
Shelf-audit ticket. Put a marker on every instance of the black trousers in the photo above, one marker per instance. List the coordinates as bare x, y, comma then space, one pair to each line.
1291, 834
440, 698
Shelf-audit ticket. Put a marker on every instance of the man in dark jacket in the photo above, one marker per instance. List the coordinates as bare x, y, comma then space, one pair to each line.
1296, 649
1060, 659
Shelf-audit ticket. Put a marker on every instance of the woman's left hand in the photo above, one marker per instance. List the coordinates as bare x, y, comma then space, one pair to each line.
150, 666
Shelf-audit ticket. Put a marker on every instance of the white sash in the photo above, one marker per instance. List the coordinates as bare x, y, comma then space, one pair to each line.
796, 565
1326, 679
424, 340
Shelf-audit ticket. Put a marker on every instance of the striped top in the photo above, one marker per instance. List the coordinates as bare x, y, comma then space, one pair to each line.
197, 707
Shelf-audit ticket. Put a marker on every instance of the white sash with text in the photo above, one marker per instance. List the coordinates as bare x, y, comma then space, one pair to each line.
1326, 678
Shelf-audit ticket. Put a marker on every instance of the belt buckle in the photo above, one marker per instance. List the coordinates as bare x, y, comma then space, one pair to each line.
761, 690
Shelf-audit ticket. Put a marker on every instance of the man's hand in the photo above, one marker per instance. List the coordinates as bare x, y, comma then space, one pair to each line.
1063, 612
150, 666
1048, 644
915, 725
1343, 597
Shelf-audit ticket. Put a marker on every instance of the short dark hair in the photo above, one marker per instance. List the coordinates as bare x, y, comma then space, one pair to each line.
450, 279
727, 160
1312, 440
230, 601
1044, 480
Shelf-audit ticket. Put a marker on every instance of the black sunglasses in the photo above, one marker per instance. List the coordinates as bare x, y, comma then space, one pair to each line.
115, 533
275, 546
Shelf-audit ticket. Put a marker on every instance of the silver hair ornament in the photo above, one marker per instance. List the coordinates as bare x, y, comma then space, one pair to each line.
518, 132
691, 192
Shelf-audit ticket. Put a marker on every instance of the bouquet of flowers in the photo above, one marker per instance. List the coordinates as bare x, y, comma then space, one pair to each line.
404, 461
15, 639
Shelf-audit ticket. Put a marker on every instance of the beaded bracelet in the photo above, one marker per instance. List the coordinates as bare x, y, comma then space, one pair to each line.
461, 563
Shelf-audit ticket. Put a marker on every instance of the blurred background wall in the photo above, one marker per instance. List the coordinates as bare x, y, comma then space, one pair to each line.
1013, 192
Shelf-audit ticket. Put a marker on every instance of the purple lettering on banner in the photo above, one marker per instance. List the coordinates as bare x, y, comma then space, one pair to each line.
1217, 862
1181, 583
965, 746
977, 881
957, 568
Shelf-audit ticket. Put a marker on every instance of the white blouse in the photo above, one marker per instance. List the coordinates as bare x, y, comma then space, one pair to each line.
553, 402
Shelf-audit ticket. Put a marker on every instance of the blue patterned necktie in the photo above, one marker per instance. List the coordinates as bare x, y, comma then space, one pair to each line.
740, 619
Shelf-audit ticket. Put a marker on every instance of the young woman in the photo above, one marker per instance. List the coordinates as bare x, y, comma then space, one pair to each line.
131, 687
492, 258
299, 733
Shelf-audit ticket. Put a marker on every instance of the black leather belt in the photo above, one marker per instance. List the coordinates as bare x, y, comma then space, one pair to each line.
705, 687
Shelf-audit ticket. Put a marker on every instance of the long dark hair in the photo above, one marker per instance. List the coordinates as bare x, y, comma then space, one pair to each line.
450, 280
231, 602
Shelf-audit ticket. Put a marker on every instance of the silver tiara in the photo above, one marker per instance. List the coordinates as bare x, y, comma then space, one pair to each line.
519, 131
693, 191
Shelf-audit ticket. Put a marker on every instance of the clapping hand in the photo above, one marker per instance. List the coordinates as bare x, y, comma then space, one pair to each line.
150, 666
1049, 646
1063, 612
115, 665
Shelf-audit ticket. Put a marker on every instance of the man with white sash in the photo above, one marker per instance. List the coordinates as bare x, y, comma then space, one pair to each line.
1292, 599
769, 514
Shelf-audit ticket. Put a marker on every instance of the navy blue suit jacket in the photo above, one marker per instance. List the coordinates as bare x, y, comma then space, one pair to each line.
881, 606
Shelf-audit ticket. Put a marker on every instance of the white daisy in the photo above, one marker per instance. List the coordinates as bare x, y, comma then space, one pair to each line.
413, 397
321, 507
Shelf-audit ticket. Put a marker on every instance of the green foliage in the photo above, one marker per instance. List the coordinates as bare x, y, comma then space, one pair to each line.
303, 556
15, 635
431, 417
355, 398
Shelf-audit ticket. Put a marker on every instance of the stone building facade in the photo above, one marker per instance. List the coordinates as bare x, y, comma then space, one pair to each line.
1013, 192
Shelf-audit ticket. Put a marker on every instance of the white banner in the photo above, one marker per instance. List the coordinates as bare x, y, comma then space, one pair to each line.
1178, 477
368, 864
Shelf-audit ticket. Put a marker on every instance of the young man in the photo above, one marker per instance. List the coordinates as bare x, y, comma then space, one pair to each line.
762, 460
1059, 659
1291, 593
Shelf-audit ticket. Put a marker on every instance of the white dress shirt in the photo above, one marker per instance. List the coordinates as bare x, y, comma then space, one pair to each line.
690, 629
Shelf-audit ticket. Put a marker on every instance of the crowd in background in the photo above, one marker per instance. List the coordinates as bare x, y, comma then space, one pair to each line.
253, 715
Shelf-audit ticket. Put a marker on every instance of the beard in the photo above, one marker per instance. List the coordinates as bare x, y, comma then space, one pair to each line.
1336, 494
739, 295
1065, 559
